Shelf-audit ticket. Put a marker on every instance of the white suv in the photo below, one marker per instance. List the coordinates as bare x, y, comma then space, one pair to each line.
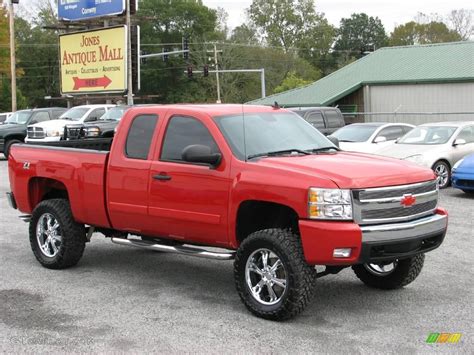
53, 131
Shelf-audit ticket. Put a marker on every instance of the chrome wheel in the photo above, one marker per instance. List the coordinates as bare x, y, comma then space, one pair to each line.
442, 172
48, 234
266, 276
381, 269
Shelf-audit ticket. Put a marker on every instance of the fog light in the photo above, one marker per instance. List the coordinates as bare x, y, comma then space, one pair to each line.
342, 253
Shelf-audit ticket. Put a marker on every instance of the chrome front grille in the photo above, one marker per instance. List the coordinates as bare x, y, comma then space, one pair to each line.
35, 132
395, 203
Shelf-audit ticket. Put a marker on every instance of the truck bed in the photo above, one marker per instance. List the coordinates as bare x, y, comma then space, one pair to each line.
76, 167
99, 144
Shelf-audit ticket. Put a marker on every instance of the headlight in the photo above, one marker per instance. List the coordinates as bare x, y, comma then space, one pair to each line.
92, 132
459, 162
417, 159
329, 204
53, 133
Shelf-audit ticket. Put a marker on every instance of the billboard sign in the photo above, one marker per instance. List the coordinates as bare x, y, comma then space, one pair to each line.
94, 61
75, 10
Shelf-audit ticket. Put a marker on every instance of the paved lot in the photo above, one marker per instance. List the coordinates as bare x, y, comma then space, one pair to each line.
125, 299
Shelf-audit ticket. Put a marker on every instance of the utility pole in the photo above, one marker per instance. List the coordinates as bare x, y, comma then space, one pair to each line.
216, 64
12, 56
129, 57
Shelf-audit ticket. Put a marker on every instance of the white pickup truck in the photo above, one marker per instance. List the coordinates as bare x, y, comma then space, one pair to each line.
53, 131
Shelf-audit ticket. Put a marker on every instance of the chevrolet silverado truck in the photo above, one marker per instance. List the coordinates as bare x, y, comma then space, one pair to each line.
255, 184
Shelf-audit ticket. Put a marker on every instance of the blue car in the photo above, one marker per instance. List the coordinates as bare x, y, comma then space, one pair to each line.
462, 176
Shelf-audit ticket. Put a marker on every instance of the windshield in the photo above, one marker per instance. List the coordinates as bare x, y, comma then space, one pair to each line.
269, 132
114, 114
428, 135
75, 113
355, 133
20, 117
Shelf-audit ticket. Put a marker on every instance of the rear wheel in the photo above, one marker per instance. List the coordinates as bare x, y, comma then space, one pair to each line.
443, 173
8, 146
391, 275
271, 275
56, 239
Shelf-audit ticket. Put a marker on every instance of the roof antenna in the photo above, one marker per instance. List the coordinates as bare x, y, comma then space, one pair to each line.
276, 106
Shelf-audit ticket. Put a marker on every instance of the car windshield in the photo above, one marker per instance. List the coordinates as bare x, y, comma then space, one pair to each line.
20, 117
270, 133
75, 113
355, 133
428, 135
114, 114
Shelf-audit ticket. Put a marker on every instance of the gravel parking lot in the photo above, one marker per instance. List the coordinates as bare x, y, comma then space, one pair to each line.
126, 299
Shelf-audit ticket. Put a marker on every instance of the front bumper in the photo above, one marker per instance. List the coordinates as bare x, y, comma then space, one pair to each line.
42, 140
375, 243
463, 181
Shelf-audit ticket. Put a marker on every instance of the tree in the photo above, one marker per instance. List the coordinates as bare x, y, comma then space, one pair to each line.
291, 81
462, 22
245, 34
412, 33
359, 34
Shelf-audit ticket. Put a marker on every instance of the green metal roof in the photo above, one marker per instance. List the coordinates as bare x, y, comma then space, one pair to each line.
444, 62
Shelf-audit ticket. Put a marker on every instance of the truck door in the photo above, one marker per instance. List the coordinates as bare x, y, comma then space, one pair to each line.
189, 201
128, 174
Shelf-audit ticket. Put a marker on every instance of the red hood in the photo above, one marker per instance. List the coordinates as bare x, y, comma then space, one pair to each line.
352, 170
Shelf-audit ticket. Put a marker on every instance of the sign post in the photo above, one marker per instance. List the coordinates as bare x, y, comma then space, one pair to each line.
94, 61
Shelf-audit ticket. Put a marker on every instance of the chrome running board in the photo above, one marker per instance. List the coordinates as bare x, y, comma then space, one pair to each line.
25, 218
178, 249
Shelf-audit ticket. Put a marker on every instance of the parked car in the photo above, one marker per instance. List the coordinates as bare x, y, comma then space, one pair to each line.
325, 119
435, 145
368, 137
4, 116
104, 127
13, 130
462, 176
279, 201
53, 131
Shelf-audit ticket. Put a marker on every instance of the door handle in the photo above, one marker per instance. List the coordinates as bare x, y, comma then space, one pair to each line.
162, 176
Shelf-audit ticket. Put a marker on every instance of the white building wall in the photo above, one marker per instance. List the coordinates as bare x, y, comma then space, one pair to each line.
407, 100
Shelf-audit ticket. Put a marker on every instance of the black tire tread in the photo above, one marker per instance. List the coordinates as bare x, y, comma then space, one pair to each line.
303, 275
406, 272
73, 235
8, 145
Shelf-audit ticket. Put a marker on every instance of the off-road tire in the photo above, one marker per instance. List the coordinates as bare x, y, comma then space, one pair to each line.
8, 145
406, 271
301, 277
73, 235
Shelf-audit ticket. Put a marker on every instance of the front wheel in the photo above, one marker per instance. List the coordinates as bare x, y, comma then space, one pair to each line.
390, 275
56, 239
271, 275
443, 173
8, 146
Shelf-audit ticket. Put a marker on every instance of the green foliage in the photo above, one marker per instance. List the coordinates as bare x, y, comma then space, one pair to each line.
291, 81
360, 33
412, 33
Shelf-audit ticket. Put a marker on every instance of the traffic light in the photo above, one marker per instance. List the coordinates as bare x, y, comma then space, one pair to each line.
185, 48
190, 71
165, 56
205, 70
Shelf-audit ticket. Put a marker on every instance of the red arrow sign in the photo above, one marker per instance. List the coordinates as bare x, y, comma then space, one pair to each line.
91, 82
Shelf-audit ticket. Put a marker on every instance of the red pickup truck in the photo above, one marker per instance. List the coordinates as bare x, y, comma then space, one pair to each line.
256, 184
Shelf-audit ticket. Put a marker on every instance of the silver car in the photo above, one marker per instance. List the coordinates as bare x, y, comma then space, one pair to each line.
435, 145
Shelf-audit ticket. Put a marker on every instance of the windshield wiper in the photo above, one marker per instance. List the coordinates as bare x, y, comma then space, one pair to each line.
347, 141
278, 152
322, 149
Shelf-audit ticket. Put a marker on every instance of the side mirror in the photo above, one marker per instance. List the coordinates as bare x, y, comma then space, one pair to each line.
459, 141
198, 153
380, 139
333, 140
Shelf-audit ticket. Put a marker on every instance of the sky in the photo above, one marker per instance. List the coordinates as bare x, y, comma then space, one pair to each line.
391, 12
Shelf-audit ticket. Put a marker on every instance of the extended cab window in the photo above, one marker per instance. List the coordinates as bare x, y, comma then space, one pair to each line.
334, 119
316, 119
182, 132
140, 136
